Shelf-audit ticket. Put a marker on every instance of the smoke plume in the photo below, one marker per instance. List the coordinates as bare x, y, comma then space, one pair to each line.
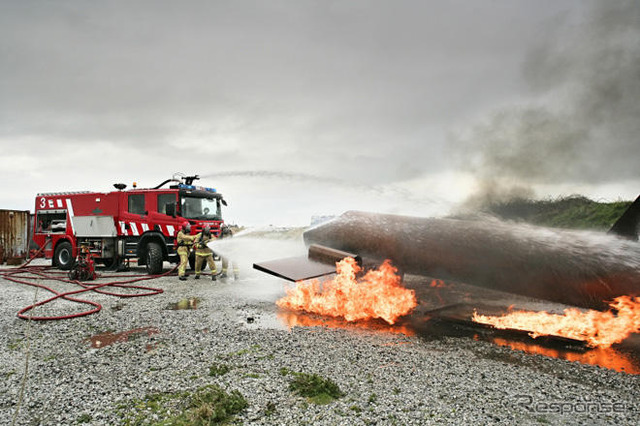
584, 123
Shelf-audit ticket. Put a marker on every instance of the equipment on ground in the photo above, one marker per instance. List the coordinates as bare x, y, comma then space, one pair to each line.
84, 268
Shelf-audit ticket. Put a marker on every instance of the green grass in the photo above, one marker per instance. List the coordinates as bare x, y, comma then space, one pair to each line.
284, 371
138, 411
15, 344
211, 405
217, 369
318, 389
270, 409
208, 405
567, 212
241, 352
84, 418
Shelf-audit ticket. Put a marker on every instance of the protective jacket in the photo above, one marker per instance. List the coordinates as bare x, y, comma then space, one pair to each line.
202, 249
185, 242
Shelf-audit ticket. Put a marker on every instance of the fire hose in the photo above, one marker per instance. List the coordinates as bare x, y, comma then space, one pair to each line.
29, 275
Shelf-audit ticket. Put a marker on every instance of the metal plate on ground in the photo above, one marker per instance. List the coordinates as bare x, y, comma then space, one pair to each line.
295, 268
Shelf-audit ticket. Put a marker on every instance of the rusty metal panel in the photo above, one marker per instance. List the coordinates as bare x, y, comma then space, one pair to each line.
14, 235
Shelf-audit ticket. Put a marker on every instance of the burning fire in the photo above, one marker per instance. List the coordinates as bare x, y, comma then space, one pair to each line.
378, 295
605, 357
598, 329
301, 319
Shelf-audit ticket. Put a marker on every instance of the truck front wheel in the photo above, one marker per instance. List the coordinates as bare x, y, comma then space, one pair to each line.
154, 258
63, 256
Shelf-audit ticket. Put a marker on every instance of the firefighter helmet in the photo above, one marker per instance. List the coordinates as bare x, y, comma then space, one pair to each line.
225, 231
186, 227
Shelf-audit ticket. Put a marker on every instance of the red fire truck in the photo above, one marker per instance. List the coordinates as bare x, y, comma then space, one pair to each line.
124, 224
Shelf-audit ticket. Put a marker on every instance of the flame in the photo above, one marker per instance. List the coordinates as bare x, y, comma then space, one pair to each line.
605, 357
378, 295
437, 283
597, 329
301, 319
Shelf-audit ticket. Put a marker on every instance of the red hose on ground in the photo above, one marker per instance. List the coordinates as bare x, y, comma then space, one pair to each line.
27, 274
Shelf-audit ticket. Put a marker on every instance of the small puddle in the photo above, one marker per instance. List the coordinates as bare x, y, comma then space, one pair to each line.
261, 321
109, 338
185, 304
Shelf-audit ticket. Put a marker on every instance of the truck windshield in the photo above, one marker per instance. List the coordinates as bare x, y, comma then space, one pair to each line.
200, 208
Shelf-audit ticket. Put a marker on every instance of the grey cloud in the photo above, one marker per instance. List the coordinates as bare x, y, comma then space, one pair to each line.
371, 62
359, 91
584, 126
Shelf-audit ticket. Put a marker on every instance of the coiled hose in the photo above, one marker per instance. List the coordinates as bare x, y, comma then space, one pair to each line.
29, 275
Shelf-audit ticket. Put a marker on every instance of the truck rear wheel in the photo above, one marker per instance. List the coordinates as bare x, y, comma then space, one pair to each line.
108, 262
154, 258
63, 256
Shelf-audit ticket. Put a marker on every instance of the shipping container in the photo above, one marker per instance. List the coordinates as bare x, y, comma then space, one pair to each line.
14, 236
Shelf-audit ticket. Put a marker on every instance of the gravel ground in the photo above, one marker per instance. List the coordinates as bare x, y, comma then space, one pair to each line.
387, 377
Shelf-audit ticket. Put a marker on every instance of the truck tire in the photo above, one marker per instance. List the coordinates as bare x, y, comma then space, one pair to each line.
63, 256
108, 262
154, 258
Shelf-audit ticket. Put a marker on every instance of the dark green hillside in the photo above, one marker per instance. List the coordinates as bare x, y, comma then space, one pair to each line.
568, 212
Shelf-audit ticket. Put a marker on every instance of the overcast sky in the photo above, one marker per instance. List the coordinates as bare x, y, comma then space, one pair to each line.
294, 108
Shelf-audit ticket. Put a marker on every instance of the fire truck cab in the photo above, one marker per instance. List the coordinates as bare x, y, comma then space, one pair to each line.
121, 225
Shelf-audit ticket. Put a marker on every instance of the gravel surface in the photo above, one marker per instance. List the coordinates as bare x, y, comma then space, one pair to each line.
387, 377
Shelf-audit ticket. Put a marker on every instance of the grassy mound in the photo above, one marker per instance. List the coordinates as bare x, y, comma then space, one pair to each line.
576, 212
318, 389
208, 405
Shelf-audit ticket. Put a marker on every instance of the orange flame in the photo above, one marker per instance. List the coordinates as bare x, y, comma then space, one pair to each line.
437, 283
378, 295
598, 329
605, 357
302, 319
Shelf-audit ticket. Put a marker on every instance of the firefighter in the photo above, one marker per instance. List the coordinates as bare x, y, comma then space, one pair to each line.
185, 242
204, 253
225, 232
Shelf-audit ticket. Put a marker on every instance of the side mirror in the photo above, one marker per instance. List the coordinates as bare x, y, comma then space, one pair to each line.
224, 203
170, 209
